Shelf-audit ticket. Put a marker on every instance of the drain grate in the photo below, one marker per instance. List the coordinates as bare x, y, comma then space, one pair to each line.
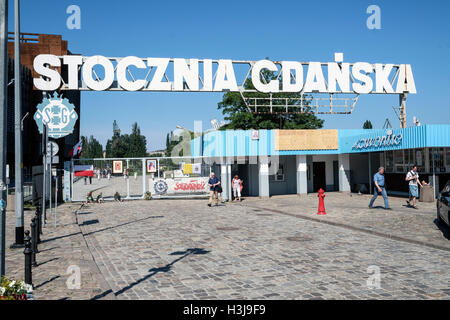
299, 238
227, 228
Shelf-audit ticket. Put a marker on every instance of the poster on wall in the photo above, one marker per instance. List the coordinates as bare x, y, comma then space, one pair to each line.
255, 134
151, 166
117, 167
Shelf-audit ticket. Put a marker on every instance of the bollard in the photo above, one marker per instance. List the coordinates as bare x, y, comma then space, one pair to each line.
34, 246
321, 197
38, 223
28, 252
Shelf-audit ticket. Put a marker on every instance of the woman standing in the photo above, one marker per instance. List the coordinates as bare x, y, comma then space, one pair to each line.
237, 188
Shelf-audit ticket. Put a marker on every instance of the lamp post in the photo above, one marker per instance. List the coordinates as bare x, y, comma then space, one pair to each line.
3, 107
18, 130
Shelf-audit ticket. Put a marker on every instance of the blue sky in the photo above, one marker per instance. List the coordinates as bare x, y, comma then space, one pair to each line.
413, 32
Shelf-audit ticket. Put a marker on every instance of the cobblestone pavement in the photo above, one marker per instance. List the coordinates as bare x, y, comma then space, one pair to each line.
182, 249
61, 247
257, 249
351, 210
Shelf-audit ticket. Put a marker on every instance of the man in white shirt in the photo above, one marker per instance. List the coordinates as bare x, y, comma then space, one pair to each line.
413, 177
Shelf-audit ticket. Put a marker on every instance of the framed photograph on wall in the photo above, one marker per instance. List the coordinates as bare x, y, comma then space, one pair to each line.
117, 167
151, 166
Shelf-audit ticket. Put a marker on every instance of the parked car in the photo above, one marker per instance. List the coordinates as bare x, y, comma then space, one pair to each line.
443, 205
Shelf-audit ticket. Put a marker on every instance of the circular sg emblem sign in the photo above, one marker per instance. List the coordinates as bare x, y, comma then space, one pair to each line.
58, 114
161, 187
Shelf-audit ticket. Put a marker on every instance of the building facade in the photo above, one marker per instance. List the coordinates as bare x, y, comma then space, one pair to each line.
275, 162
33, 44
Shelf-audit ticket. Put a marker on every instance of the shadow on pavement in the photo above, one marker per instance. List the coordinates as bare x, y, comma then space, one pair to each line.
154, 271
45, 262
46, 282
89, 222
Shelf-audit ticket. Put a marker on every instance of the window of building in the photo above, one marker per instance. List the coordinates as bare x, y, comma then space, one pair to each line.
400, 161
389, 164
437, 159
280, 174
419, 159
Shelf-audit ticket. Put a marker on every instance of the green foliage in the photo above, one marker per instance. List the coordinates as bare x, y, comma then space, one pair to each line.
91, 148
132, 145
367, 125
239, 117
138, 143
156, 155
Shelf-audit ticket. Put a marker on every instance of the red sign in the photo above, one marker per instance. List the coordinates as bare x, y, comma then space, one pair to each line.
193, 185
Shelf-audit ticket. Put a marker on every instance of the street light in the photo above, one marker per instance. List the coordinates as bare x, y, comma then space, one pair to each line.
3, 107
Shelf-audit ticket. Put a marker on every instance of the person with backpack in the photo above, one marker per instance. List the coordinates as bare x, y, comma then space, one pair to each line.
413, 178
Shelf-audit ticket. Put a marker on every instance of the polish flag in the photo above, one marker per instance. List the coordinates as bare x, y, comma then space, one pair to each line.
83, 171
76, 150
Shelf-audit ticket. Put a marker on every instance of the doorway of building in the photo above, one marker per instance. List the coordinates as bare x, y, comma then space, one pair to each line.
319, 176
335, 175
242, 171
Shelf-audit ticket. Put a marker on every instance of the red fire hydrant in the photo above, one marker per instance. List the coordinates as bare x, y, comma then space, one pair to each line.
321, 197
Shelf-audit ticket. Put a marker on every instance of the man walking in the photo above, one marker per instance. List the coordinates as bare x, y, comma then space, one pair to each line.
213, 183
378, 179
413, 178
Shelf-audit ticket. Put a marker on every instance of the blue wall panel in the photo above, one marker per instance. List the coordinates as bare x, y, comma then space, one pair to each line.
239, 142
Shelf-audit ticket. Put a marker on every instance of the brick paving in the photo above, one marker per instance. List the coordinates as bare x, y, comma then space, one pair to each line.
257, 249
61, 247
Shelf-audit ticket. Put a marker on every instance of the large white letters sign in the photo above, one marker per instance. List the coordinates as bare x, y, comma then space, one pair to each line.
207, 75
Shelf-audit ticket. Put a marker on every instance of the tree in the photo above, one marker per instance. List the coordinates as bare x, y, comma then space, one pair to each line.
239, 117
173, 140
91, 148
138, 143
367, 125
125, 145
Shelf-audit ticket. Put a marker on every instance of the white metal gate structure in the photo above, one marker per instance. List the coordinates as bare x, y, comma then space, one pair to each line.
139, 178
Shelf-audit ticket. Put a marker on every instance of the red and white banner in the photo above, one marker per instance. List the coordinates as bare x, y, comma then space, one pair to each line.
83, 171
76, 150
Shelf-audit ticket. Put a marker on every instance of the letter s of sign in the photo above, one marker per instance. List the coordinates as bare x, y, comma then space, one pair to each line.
74, 20
74, 280
49, 79
374, 20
